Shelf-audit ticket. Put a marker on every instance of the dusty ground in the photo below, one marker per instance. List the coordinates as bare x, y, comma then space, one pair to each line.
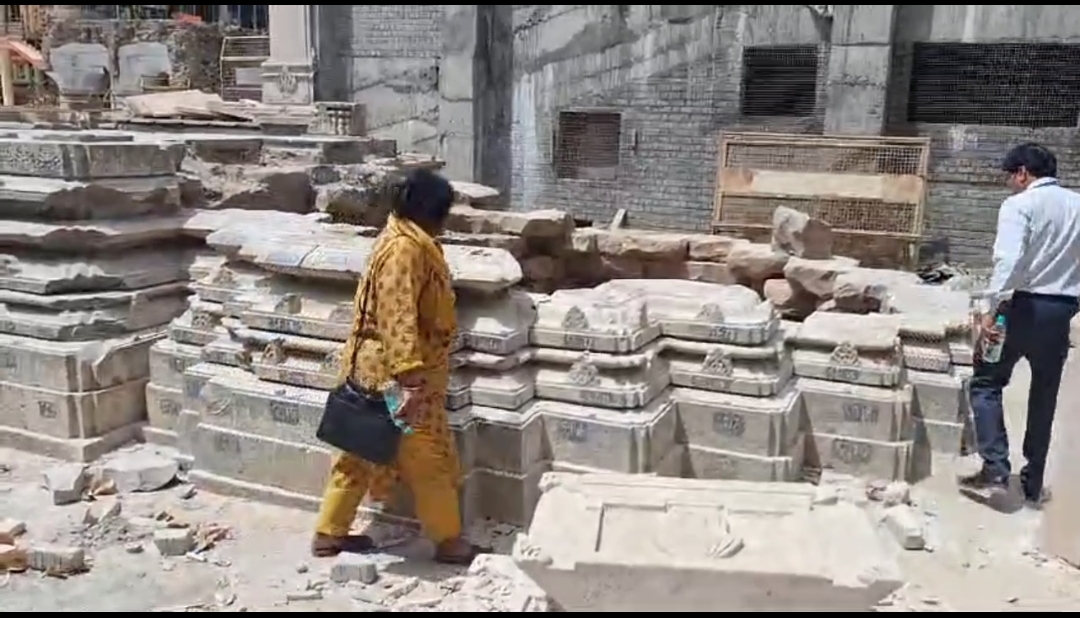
978, 559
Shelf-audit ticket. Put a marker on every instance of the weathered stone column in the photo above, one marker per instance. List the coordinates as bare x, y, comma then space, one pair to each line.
457, 135
288, 76
858, 73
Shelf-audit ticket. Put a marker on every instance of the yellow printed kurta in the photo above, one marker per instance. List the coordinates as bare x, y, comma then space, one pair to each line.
410, 326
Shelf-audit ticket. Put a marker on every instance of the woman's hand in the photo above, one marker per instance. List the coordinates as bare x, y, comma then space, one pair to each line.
411, 404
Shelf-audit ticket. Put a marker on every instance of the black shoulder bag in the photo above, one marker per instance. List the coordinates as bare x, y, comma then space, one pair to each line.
355, 420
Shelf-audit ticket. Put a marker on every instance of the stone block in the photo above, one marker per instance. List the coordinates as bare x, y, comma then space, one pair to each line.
129, 270
621, 441
140, 471
927, 356
602, 380
816, 278
229, 281
798, 234
75, 366
496, 324
751, 264
861, 457
508, 441
62, 414
353, 568
939, 397
702, 311
754, 371
856, 411
48, 157
507, 390
169, 359
200, 324
865, 290
532, 224
950, 438
174, 541
593, 320
613, 543
767, 427
57, 559
66, 482
844, 364
703, 462
23, 197
251, 459
105, 235
90, 315
906, 526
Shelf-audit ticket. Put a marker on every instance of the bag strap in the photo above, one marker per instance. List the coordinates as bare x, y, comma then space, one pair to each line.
363, 318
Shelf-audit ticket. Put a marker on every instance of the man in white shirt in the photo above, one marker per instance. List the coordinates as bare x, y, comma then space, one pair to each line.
1037, 258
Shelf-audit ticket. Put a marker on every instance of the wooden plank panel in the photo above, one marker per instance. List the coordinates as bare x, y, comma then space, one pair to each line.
819, 185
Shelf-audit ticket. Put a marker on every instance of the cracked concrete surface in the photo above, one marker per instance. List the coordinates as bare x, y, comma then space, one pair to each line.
976, 558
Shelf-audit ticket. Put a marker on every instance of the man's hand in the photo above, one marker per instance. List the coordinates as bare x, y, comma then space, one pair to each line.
988, 330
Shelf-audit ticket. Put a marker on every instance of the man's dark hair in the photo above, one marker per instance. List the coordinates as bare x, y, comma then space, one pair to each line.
425, 197
1038, 161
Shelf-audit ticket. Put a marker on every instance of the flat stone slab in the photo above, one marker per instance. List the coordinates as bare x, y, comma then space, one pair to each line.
24, 197
56, 157
611, 543
702, 311
103, 235
614, 321
129, 270
927, 310
76, 366
202, 223
336, 253
872, 332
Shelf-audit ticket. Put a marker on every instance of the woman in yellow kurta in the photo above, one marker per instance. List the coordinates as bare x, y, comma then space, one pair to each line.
406, 336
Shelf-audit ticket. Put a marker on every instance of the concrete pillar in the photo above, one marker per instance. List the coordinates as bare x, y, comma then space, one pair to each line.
457, 96
288, 76
858, 73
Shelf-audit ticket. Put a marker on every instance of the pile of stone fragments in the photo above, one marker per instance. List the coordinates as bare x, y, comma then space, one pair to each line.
581, 350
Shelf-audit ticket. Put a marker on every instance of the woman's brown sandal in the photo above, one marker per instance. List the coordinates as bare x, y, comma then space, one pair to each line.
326, 546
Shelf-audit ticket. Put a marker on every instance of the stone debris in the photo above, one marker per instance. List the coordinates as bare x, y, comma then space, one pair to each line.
174, 541
66, 482
906, 526
140, 471
353, 568
57, 560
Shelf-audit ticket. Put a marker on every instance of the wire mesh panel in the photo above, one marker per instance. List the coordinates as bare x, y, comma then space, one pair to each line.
241, 66
864, 187
587, 144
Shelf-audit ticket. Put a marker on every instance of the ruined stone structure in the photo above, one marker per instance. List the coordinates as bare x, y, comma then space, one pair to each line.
93, 266
661, 81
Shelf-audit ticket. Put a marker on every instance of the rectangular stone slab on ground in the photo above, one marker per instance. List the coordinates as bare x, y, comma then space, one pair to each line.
613, 542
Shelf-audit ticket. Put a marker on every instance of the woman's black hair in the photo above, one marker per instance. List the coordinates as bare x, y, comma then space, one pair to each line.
425, 197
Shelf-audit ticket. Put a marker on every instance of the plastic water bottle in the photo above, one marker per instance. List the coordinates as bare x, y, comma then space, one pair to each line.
391, 393
992, 351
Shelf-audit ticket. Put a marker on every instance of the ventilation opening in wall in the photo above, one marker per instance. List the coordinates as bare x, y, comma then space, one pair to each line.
779, 80
587, 145
1006, 84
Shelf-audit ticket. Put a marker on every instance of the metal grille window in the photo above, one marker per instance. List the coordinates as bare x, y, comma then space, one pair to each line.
779, 80
1006, 84
587, 145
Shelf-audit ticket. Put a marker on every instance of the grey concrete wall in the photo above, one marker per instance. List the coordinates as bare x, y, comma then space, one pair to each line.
966, 185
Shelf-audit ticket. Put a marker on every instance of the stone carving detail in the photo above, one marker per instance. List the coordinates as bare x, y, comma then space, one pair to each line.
243, 358
575, 319
218, 406
201, 320
845, 354
9, 265
718, 362
711, 313
289, 303
330, 363
274, 353
725, 543
223, 277
343, 313
583, 372
286, 81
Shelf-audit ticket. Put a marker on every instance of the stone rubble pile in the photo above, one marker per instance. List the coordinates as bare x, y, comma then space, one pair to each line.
93, 263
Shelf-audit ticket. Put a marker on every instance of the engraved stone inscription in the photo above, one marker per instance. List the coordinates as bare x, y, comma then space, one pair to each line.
575, 319
482, 343
46, 409
226, 444
729, 424
722, 334
600, 398
285, 412
860, 413
169, 407
201, 320
578, 342
283, 325
842, 374
710, 383
576, 432
849, 452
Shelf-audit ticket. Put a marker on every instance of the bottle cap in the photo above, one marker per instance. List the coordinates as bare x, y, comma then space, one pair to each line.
1000, 321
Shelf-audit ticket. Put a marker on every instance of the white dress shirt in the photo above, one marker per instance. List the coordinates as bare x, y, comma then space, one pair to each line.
1037, 248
